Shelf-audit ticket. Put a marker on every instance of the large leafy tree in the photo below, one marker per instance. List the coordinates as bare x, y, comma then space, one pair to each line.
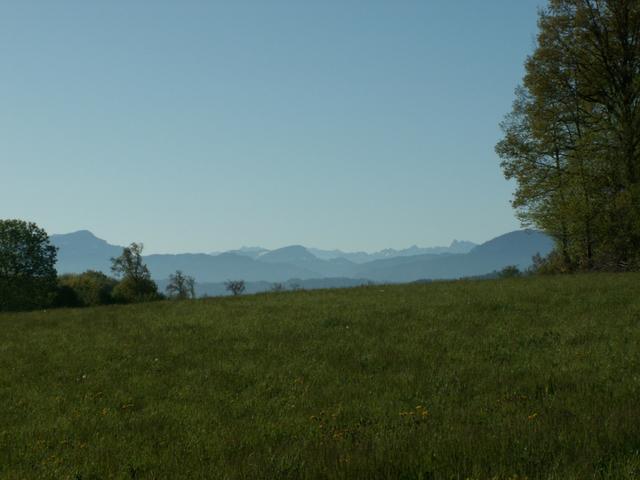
27, 266
572, 141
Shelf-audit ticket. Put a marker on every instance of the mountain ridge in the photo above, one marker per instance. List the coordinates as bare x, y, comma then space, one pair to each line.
82, 250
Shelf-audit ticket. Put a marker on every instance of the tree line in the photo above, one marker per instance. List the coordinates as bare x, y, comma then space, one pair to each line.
131, 283
28, 277
572, 139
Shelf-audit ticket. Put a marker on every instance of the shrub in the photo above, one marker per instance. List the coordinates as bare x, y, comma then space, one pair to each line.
26, 293
549, 265
91, 287
66, 296
510, 271
131, 290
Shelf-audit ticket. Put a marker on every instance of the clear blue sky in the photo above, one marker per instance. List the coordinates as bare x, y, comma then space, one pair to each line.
203, 125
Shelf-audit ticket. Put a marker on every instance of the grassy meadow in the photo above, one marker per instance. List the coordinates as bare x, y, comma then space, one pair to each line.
532, 378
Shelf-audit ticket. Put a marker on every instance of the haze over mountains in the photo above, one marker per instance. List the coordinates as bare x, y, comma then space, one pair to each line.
363, 257
312, 268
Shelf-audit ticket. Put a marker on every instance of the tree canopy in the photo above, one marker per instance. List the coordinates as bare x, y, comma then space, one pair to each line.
130, 264
27, 266
572, 140
136, 284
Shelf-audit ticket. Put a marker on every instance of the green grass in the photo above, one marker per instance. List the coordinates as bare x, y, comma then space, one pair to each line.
525, 378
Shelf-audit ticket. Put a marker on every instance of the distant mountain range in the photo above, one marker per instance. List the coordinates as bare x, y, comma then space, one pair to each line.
308, 267
363, 257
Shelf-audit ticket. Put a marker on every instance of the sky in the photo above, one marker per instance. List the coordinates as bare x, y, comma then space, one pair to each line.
199, 126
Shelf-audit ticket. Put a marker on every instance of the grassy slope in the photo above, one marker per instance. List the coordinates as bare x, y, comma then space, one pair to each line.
538, 378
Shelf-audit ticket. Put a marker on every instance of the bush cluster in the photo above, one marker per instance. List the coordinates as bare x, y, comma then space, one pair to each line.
28, 278
86, 289
93, 288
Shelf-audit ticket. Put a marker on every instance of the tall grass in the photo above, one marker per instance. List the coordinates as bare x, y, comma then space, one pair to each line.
533, 378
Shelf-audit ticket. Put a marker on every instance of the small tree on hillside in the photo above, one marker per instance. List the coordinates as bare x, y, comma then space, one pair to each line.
236, 287
181, 286
136, 284
27, 266
129, 264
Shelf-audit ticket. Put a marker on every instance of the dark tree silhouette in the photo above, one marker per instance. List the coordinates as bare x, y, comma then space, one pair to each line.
27, 266
181, 286
236, 287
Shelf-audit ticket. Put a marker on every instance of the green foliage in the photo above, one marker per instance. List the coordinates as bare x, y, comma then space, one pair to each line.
66, 297
91, 288
572, 140
549, 265
130, 264
136, 284
535, 378
181, 286
510, 271
132, 290
27, 266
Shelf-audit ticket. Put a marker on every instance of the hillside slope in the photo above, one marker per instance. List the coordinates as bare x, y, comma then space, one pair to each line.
515, 248
529, 378
82, 250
